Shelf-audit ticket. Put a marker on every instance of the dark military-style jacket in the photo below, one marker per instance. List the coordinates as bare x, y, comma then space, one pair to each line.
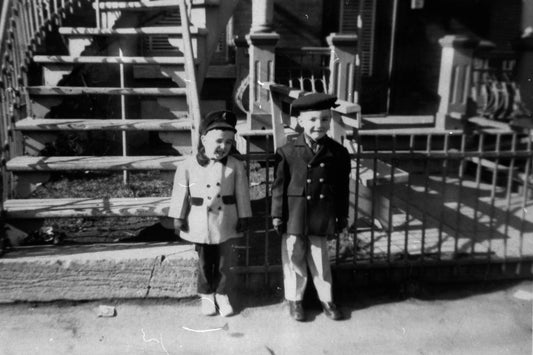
310, 191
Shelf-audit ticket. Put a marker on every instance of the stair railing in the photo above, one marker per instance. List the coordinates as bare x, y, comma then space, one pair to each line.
191, 84
23, 26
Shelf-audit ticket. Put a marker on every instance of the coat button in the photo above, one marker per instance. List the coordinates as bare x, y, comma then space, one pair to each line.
208, 209
218, 184
208, 185
208, 197
321, 196
219, 208
322, 165
309, 166
321, 179
308, 197
308, 181
218, 196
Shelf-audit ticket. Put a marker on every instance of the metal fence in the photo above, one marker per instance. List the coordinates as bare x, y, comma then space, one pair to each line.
418, 199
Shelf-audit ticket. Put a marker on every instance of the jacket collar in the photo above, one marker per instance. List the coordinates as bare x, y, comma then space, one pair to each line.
204, 161
307, 154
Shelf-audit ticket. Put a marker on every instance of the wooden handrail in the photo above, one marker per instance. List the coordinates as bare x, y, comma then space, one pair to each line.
302, 50
22, 27
192, 88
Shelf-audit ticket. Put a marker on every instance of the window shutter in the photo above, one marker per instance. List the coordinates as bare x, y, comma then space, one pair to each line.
349, 13
359, 16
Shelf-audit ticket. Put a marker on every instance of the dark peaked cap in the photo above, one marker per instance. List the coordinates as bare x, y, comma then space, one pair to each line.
225, 120
313, 102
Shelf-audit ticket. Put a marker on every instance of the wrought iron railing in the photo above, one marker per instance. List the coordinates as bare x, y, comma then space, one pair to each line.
467, 199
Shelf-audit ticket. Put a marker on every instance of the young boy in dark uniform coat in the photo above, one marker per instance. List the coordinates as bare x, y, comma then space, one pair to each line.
310, 202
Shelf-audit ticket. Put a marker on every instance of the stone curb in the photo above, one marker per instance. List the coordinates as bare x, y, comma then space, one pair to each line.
98, 272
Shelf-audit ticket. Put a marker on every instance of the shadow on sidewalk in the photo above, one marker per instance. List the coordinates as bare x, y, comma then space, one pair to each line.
354, 299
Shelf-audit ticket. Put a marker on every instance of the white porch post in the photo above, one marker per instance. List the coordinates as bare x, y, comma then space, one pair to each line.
454, 80
343, 65
525, 55
262, 41
262, 15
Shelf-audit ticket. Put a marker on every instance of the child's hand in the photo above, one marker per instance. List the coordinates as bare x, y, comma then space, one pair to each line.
278, 225
243, 225
180, 225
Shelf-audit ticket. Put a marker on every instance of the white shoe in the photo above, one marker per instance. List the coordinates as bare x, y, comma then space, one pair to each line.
208, 306
224, 307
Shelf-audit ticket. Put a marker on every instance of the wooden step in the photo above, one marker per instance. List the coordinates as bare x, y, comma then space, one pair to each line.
112, 163
139, 5
87, 207
152, 5
57, 59
155, 30
486, 125
80, 124
490, 164
83, 90
250, 132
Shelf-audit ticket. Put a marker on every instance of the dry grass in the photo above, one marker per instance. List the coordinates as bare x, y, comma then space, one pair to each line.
110, 185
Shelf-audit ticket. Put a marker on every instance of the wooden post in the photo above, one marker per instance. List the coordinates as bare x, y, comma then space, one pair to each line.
262, 42
525, 68
343, 65
455, 80
262, 65
262, 15
524, 48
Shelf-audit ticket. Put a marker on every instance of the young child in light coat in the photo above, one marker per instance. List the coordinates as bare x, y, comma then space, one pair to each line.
210, 205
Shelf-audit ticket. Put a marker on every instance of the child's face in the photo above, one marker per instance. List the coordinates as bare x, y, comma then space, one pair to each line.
217, 143
315, 123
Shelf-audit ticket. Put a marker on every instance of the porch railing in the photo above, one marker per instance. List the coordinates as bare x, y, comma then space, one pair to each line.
331, 69
467, 200
305, 68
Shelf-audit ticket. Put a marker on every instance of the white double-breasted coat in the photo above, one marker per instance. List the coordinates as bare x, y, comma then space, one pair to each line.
211, 199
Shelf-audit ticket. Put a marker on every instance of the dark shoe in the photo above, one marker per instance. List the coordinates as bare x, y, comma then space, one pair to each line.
297, 310
331, 311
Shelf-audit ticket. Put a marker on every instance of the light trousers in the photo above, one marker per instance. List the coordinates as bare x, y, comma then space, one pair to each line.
298, 253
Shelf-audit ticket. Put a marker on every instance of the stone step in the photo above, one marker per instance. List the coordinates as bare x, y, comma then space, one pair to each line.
80, 124
72, 163
87, 207
98, 271
65, 59
155, 30
84, 90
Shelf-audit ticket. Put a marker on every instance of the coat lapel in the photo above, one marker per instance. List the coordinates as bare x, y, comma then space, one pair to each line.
302, 149
323, 153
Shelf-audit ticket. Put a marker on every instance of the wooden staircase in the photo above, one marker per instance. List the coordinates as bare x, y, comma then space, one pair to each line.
175, 120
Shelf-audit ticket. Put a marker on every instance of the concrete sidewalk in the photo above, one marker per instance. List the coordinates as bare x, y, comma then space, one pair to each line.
484, 319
